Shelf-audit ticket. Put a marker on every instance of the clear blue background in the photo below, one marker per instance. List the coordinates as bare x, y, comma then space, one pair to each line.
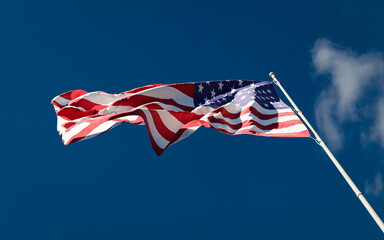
209, 186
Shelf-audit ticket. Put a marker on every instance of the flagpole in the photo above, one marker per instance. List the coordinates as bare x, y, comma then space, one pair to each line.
330, 155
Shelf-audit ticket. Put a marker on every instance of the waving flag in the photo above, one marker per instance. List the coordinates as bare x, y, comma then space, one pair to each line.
173, 112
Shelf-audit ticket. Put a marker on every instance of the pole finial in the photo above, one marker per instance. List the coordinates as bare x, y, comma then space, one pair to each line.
271, 74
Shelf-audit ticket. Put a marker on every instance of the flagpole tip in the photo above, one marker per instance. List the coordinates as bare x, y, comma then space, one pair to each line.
271, 74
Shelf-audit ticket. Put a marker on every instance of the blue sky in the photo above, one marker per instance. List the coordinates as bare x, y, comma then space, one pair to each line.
327, 54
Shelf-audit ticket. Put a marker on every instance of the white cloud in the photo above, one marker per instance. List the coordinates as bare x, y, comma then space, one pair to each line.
351, 77
377, 131
374, 187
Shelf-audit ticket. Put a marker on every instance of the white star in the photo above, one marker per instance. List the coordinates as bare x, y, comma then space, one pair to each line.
208, 83
263, 98
266, 104
218, 100
264, 92
224, 98
201, 88
227, 80
213, 93
221, 86
253, 97
259, 91
232, 90
240, 82
258, 97
243, 97
206, 100
269, 91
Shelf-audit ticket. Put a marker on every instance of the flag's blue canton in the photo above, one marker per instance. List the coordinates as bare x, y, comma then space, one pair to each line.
239, 92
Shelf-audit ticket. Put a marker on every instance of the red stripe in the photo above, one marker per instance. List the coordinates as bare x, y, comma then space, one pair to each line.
251, 122
70, 113
86, 104
73, 94
185, 117
186, 88
68, 125
139, 100
139, 89
252, 110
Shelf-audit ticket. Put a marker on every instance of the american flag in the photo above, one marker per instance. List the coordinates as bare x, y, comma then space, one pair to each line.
173, 112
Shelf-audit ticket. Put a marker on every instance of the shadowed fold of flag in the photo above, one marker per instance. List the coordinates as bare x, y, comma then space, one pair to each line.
173, 112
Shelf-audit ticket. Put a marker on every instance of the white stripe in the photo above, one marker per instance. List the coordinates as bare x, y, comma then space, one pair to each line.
105, 126
169, 120
202, 110
233, 108
74, 107
83, 119
168, 107
130, 118
250, 116
292, 129
103, 98
68, 135
60, 122
62, 101
122, 109
168, 92
187, 133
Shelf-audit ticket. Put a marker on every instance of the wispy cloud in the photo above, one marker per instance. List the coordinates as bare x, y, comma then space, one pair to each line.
377, 131
374, 187
352, 79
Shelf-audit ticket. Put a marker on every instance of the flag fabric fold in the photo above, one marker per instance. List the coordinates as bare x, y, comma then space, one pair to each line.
173, 112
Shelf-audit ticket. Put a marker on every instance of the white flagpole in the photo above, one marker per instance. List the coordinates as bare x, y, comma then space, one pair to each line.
330, 155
